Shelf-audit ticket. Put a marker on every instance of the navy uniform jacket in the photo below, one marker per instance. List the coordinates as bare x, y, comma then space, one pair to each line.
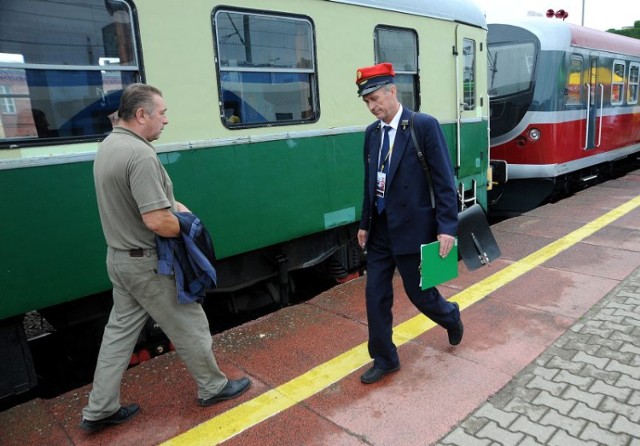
411, 218
189, 257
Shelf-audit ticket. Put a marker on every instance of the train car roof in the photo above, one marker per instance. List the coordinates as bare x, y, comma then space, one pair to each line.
555, 34
463, 11
601, 40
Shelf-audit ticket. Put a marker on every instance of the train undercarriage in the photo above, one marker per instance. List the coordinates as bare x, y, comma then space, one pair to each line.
517, 196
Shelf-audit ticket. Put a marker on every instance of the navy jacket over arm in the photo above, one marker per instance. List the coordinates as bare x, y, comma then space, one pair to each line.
190, 256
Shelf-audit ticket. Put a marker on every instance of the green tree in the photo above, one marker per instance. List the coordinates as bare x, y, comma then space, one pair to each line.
629, 32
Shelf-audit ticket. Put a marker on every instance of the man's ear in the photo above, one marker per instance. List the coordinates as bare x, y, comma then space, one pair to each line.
140, 115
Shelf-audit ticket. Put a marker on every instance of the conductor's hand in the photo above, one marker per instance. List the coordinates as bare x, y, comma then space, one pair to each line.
446, 243
362, 237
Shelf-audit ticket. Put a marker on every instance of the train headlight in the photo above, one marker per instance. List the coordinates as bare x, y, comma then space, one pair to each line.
534, 134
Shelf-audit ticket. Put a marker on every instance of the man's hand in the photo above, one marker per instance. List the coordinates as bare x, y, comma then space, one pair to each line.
362, 237
446, 243
181, 207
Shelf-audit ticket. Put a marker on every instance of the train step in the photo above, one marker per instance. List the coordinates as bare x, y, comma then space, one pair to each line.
588, 178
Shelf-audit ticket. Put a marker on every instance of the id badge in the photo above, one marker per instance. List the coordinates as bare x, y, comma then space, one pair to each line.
381, 182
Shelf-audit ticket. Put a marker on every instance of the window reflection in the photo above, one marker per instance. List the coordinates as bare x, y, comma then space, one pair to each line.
469, 74
634, 80
400, 48
63, 66
267, 69
574, 82
511, 68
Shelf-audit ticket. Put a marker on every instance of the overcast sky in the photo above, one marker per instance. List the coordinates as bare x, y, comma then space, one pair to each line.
599, 14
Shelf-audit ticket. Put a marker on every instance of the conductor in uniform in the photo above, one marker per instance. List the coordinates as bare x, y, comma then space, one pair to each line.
398, 214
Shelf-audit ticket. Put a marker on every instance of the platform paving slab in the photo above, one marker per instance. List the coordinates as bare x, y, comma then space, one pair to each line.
584, 389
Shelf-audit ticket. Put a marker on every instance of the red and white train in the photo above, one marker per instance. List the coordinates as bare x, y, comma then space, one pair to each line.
564, 107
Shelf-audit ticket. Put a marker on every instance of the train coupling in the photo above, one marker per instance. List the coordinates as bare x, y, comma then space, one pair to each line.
497, 174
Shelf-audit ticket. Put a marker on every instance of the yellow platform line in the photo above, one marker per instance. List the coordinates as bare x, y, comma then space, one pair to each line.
242, 417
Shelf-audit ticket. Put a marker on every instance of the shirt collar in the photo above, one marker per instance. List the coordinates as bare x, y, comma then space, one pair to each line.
126, 131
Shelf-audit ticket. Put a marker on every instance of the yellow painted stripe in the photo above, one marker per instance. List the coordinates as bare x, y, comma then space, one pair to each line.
262, 407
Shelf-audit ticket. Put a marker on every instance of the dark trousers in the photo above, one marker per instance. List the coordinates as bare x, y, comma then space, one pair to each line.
381, 265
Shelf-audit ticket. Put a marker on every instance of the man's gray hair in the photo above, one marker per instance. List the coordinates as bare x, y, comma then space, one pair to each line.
137, 96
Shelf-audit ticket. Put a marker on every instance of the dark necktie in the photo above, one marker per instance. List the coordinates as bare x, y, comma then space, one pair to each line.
383, 165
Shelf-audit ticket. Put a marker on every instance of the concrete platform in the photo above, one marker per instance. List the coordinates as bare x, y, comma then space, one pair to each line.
563, 267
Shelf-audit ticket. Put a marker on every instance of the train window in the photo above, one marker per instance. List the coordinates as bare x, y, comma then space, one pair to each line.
574, 82
63, 66
7, 102
617, 82
469, 74
632, 94
511, 68
266, 66
400, 47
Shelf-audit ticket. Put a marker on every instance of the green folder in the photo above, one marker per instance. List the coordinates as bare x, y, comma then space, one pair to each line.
435, 270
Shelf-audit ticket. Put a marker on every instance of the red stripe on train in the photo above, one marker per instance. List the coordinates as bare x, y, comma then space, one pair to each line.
565, 141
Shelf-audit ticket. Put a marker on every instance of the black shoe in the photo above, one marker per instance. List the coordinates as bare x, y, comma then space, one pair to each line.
455, 333
123, 414
376, 374
233, 389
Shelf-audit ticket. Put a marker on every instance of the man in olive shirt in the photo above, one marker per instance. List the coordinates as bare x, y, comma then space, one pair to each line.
136, 202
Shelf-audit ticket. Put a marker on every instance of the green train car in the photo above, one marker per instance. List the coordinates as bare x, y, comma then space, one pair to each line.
264, 140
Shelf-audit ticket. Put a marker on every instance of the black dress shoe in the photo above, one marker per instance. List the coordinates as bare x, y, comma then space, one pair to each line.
376, 374
123, 414
455, 333
233, 389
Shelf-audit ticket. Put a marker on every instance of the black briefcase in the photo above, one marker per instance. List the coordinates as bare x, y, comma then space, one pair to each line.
476, 245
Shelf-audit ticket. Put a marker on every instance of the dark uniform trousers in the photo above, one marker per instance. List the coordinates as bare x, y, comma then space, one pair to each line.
381, 265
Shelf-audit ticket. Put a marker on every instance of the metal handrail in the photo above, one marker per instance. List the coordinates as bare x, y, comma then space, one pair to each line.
601, 114
586, 133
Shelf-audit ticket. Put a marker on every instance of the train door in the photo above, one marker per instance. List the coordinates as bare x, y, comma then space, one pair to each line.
471, 151
594, 101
